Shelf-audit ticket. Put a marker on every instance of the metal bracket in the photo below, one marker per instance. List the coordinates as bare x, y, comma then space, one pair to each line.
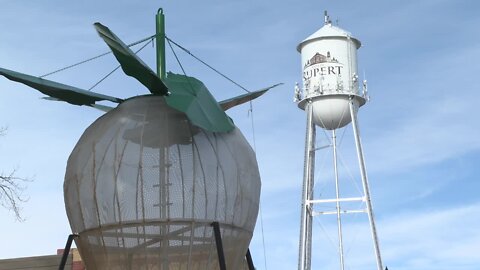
219, 244
66, 251
249, 260
221, 254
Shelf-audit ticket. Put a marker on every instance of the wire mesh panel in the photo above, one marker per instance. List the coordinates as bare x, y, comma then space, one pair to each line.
143, 186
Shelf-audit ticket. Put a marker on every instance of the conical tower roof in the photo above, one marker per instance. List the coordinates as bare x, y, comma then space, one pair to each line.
328, 31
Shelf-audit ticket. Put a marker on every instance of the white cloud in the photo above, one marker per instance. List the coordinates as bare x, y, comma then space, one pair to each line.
432, 115
430, 135
440, 239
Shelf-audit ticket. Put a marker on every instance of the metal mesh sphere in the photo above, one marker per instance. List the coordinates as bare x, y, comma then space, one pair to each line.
143, 186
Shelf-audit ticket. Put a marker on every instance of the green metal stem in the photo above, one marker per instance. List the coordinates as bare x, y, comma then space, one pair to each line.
160, 39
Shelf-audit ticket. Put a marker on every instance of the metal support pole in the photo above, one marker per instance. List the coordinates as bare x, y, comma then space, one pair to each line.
66, 251
218, 242
366, 189
337, 194
305, 243
160, 40
249, 260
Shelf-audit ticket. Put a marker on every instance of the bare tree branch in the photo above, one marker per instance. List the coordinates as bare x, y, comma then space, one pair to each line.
11, 190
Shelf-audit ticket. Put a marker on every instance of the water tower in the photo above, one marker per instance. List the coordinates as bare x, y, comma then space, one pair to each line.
331, 97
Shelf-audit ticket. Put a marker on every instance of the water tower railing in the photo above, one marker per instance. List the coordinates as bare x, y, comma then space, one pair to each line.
317, 92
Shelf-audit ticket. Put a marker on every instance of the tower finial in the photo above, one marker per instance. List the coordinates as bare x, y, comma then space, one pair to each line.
327, 18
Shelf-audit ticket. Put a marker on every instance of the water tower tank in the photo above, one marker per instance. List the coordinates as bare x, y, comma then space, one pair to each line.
330, 80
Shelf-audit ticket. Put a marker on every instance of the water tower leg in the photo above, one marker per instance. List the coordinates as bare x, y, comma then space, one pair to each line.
366, 189
305, 243
337, 194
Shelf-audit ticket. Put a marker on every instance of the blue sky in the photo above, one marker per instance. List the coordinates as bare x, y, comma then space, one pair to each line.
419, 131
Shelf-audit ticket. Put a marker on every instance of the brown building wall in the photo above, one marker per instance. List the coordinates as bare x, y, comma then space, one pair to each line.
50, 262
